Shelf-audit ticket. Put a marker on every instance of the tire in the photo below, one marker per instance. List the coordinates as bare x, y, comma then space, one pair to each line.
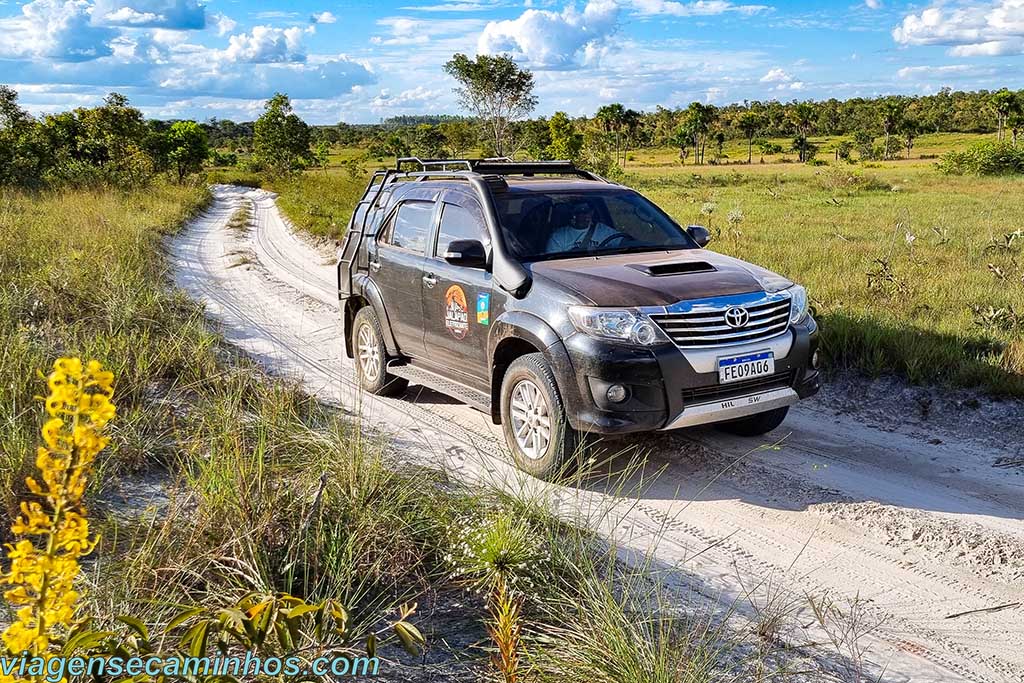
371, 356
529, 388
755, 425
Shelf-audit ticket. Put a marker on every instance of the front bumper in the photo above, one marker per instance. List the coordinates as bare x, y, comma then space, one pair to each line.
671, 388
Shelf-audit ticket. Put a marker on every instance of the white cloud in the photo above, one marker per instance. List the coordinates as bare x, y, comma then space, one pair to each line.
970, 29
450, 7
324, 80
913, 72
325, 17
224, 24
873, 4
700, 8
776, 75
175, 14
59, 30
414, 98
549, 39
266, 44
409, 31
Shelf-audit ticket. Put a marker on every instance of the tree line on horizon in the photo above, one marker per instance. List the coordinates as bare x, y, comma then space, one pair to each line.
114, 143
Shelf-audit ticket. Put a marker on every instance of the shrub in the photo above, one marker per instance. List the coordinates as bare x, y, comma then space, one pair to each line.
984, 158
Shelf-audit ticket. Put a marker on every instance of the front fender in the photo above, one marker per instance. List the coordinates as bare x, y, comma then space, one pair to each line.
510, 335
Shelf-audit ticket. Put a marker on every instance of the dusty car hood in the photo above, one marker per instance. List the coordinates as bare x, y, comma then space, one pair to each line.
629, 279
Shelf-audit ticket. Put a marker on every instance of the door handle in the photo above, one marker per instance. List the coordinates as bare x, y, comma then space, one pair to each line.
429, 280
375, 266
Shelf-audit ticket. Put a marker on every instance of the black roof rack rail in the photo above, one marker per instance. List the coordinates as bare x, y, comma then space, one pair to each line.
498, 166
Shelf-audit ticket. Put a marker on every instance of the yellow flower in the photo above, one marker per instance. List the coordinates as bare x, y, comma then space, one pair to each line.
40, 580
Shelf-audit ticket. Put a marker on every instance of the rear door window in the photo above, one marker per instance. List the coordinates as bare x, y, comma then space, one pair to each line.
409, 227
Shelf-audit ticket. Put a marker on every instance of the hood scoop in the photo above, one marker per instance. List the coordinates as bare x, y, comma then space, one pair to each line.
679, 268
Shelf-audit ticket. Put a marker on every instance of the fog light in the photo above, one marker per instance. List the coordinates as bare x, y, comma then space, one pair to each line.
814, 359
617, 393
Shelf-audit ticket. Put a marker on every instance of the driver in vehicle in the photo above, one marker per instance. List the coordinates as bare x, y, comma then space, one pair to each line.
581, 234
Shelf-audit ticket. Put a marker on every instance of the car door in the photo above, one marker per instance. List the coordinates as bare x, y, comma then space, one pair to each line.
457, 301
396, 265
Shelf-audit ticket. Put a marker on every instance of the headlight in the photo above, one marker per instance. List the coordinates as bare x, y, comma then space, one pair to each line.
798, 310
620, 324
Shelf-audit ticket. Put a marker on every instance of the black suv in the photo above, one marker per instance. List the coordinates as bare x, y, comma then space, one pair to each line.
563, 305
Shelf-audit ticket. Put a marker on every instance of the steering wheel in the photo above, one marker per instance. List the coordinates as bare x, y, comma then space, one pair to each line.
611, 238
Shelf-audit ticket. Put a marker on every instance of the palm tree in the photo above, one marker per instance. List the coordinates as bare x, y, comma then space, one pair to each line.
803, 116
750, 123
611, 117
1004, 104
697, 122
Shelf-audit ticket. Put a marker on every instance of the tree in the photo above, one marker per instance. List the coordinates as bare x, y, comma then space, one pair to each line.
804, 147
23, 149
280, 138
321, 155
890, 114
566, 143
697, 120
909, 128
611, 117
750, 122
496, 90
188, 147
428, 141
1004, 104
844, 150
459, 137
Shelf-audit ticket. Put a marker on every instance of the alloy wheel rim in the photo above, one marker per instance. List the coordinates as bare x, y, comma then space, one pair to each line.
531, 419
369, 354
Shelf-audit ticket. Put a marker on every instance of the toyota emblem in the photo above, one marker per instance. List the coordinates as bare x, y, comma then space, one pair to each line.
737, 317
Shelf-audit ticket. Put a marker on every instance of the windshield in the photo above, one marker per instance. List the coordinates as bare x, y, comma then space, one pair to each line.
539, 226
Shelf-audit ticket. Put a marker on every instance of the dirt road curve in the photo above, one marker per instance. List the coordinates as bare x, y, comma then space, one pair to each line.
918, 530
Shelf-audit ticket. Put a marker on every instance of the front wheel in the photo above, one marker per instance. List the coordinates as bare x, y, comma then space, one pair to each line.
537, 431
755, 425
371, 358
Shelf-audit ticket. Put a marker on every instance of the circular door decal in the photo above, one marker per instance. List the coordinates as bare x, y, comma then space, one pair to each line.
456, 312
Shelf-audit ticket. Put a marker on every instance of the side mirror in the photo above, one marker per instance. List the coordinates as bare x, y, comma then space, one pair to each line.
699, 234
466, 253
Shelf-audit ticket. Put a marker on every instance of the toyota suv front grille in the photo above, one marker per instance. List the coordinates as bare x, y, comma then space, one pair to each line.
716, 324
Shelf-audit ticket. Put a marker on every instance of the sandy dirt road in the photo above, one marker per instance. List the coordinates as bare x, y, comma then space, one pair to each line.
915, 527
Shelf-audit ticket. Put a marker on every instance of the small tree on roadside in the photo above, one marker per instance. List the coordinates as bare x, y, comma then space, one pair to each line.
566, 143
496, 90
187, 147
280, 138
322, 154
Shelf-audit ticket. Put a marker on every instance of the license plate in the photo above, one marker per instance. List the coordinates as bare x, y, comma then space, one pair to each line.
739, 368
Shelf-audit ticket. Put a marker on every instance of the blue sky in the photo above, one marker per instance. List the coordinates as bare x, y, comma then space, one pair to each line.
359, 62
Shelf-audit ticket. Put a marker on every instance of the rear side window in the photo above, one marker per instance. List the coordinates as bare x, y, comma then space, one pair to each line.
409, 226
457, 223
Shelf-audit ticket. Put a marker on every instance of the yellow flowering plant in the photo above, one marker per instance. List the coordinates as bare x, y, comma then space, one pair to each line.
52, 530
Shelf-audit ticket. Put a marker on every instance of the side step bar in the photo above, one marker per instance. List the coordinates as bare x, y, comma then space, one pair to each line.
457, 390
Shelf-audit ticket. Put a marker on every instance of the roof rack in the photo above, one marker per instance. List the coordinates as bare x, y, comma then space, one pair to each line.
500, 166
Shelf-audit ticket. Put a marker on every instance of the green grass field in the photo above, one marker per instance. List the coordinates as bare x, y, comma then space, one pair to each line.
910, 270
